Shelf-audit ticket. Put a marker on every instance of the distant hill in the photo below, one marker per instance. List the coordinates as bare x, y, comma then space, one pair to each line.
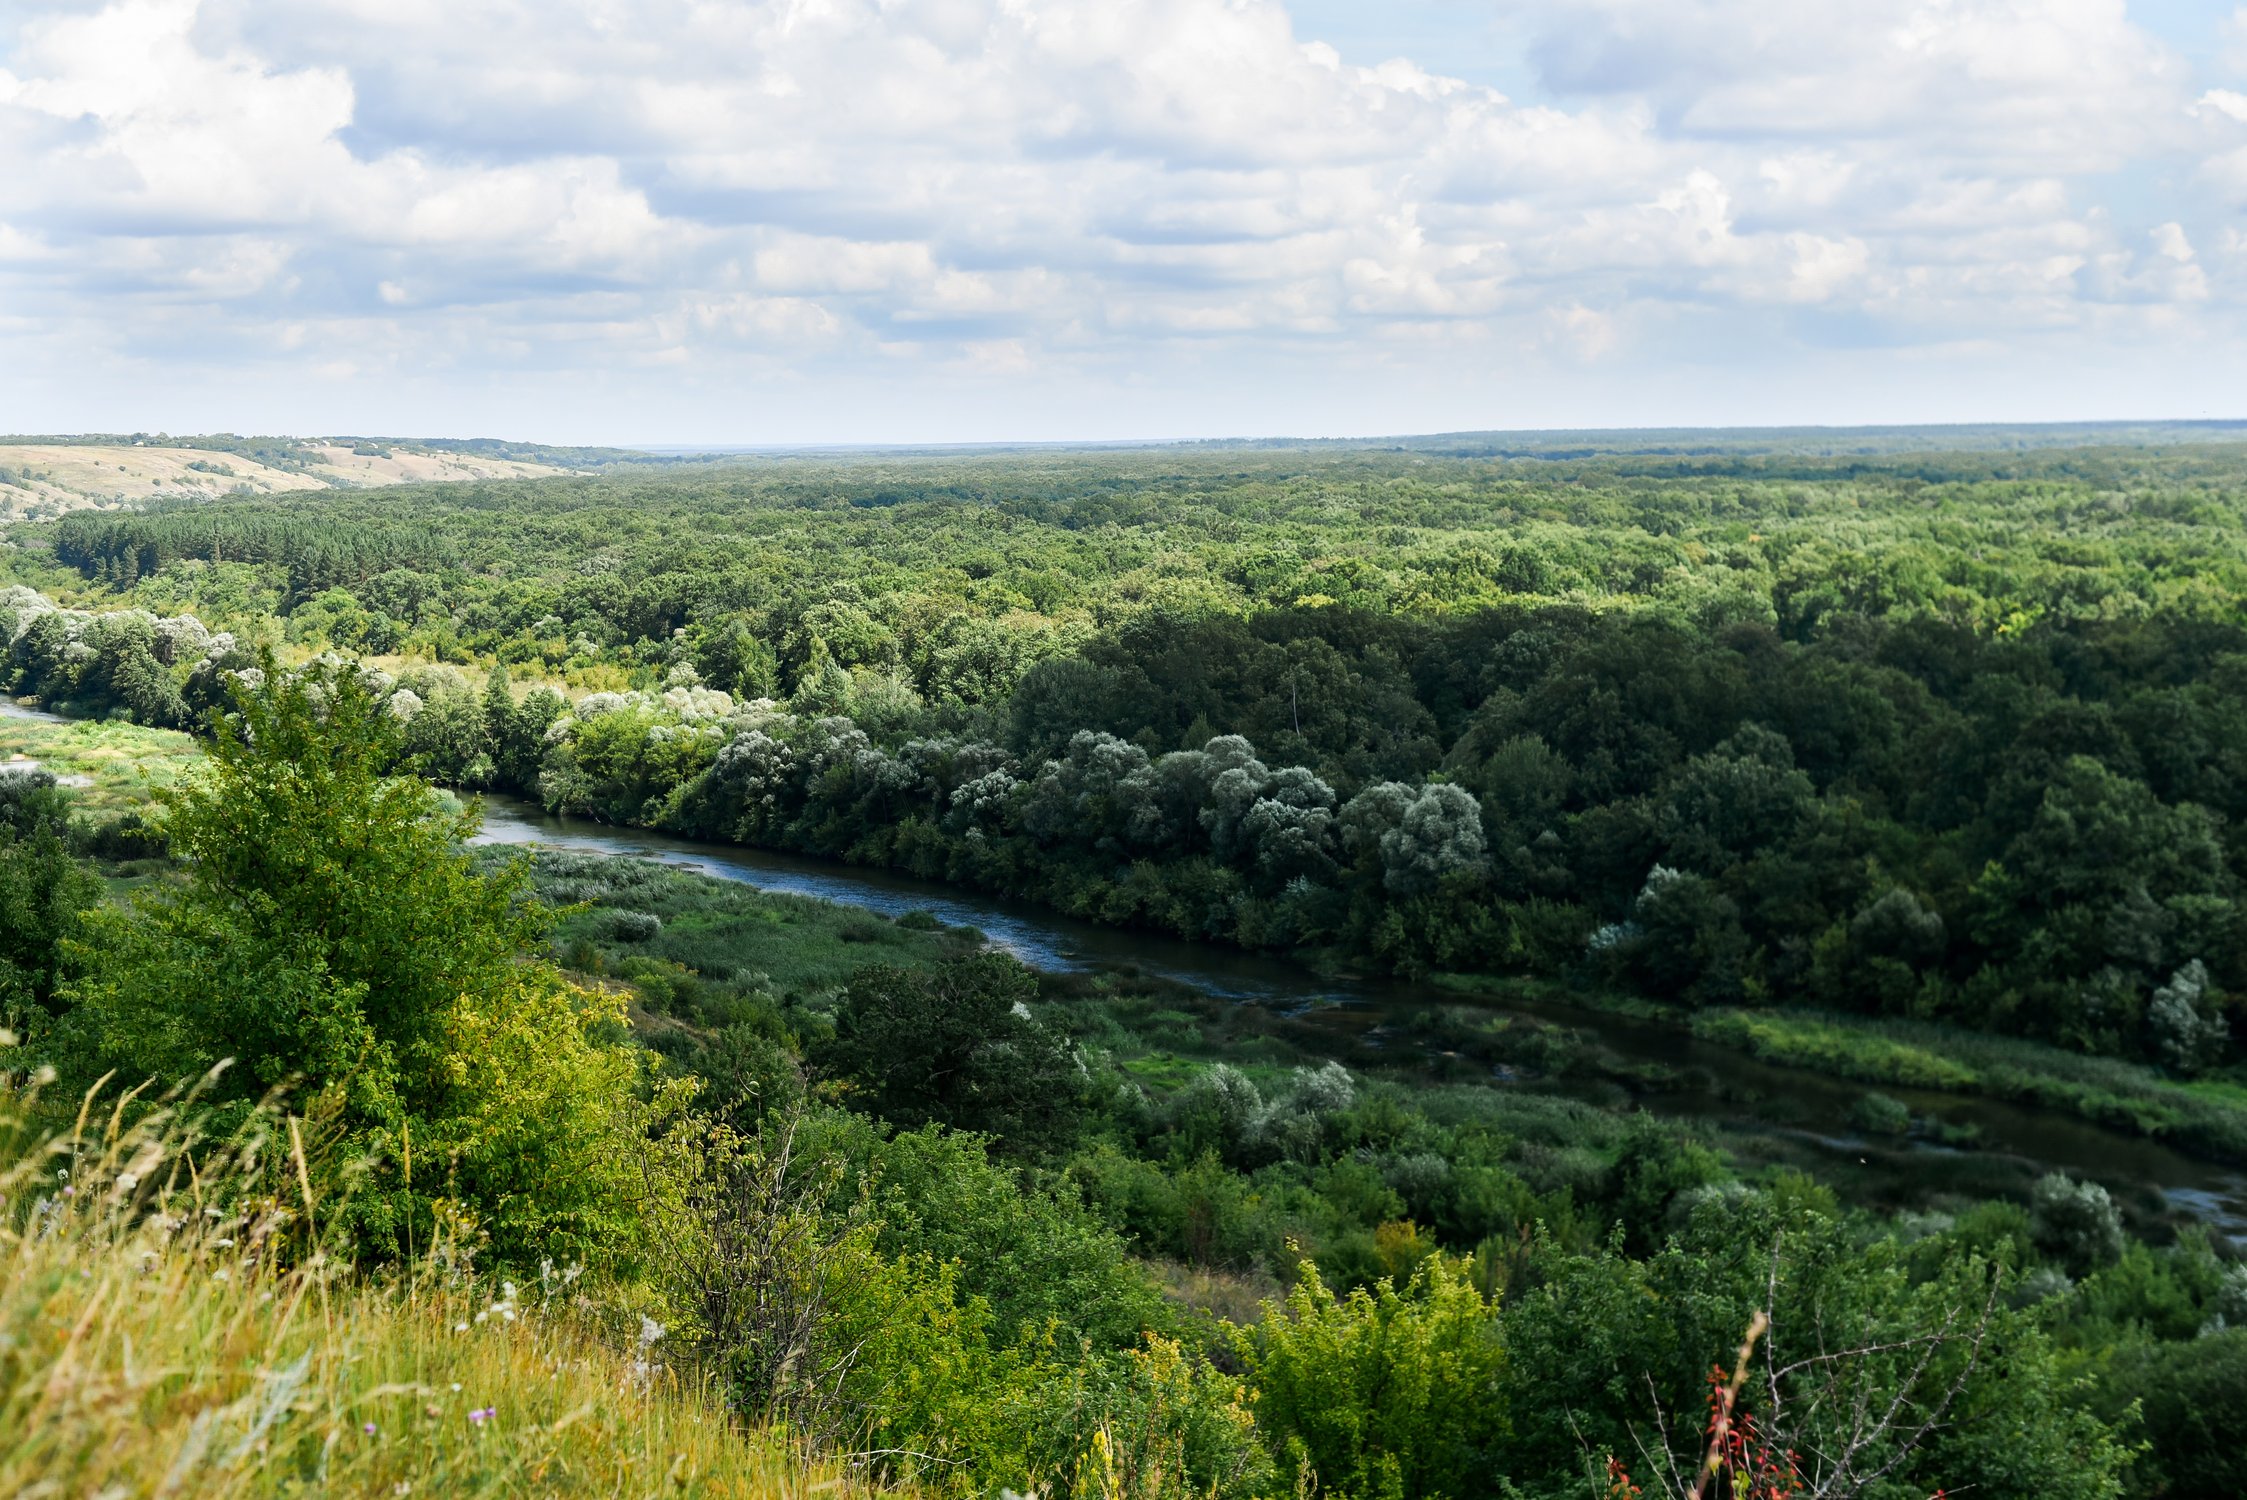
47, 475
1740, 442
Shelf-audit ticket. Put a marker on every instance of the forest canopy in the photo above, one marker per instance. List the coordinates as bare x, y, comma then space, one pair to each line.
1917, 768
1930, 735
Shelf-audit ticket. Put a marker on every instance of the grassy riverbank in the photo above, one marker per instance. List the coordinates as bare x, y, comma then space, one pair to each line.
2206, 1118
114, 767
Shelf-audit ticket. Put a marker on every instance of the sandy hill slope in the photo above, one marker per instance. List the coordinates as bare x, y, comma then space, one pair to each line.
46, 479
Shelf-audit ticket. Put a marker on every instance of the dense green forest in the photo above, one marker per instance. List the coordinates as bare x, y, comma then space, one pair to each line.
1828, 752
867, 1184
1949, 737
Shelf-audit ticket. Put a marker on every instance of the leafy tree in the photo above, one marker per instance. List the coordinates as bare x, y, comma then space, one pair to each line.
956, 1046
2192, 1403
733, 657
518, 735
2185, 1031
1686, 940
2076, 1222
44, 895
332, 937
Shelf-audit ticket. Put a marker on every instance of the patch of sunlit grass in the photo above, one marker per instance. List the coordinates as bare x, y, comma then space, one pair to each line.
169, 1326
124, 764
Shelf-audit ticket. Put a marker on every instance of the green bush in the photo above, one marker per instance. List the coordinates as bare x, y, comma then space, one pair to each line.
1382, 1394
332, 938
958, 1046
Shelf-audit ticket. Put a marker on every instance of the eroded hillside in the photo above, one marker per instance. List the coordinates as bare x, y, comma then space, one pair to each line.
40, 479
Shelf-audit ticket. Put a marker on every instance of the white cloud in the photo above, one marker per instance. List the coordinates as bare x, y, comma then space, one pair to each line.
2067, 83
1040, 190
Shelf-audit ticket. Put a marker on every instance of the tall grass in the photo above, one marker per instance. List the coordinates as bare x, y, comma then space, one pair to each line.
2206, 1118
172, 1325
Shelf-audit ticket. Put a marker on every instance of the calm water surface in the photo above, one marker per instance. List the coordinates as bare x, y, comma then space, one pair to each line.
1807, 1109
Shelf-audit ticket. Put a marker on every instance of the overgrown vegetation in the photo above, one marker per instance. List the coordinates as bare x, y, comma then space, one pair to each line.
1930, 736
171, 1322
1933, 739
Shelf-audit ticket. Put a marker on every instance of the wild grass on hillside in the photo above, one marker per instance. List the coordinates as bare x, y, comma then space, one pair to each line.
170, 1327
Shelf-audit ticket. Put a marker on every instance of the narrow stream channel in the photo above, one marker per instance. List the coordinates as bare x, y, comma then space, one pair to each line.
1808, 1109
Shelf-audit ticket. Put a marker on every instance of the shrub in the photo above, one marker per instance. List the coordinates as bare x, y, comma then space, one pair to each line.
1877, 1114
2075, 1222
634, 926
1382, 1393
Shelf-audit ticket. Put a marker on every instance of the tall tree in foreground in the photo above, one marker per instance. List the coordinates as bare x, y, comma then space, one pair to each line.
332, 937
44, 895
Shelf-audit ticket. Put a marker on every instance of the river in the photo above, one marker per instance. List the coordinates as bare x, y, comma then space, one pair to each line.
1805, 1113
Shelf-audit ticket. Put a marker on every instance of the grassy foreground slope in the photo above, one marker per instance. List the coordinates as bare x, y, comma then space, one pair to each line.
170, 1324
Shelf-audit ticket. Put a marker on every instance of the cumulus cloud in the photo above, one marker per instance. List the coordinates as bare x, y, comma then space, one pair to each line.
1015, 189
2012, 83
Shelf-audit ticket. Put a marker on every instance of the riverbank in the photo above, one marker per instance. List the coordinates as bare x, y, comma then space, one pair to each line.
1206, 1004
1779, 1084
2206, 1118
113, 767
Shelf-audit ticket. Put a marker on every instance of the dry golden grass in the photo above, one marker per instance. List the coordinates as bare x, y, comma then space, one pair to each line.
169, 1327
46, 479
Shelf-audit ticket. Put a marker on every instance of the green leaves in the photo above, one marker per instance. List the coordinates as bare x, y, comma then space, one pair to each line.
1384, 1394
330, 936
957, 1046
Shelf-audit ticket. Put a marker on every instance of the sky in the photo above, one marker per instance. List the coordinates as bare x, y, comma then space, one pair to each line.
742, 222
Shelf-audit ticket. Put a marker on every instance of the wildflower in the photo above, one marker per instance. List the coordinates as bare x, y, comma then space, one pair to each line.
650, 1330
456, 1386
368, 1429
459, 1328
483, 1414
